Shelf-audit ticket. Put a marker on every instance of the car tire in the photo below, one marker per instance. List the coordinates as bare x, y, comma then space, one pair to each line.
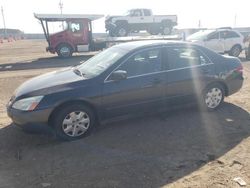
122, 31
153, 32
73, 122
166, 30
247, 53
64, 51
235, 51
213, 97
112, 33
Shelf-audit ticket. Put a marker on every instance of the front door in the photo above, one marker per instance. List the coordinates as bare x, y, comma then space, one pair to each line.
141, 89
78, 30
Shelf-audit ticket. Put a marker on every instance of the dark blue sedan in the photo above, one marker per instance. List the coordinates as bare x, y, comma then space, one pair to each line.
124, 79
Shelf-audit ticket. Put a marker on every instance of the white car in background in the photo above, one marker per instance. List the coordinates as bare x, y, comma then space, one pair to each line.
224, 41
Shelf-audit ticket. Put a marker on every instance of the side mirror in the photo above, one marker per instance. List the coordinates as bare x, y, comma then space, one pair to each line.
118, 75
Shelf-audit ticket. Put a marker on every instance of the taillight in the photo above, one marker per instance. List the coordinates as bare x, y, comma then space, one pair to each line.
239, 69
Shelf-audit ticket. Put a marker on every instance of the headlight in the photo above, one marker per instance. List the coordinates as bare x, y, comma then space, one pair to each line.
27, 104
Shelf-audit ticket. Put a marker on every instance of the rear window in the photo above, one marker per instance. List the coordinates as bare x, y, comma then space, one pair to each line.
183, 57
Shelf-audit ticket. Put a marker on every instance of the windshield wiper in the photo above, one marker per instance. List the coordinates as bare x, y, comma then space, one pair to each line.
78, 72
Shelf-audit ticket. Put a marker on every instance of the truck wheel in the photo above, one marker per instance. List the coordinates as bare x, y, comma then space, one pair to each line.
235, 51
152, 32
112, 33
166, 30
64, 51
122, 31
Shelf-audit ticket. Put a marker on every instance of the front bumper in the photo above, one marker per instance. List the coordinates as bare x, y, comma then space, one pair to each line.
50, 49
25, 118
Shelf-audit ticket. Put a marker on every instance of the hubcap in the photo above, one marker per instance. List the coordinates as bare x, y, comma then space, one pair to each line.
213, 97
76, 123
65, 51
122, 32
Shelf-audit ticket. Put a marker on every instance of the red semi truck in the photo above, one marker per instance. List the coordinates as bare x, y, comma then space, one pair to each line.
76, 34
75, 37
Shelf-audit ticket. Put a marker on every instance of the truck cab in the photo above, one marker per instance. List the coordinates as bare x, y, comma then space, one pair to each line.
75, 37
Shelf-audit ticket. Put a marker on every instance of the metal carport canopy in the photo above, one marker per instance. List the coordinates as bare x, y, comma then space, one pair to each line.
62, 17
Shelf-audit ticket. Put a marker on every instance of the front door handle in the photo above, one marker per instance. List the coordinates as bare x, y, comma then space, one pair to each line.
156, 81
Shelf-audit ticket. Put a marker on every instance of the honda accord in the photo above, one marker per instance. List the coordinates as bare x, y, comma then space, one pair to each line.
124, 79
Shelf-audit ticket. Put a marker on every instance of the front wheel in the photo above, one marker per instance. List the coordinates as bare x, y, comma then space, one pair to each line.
73, 122
64, 51
122, 31
213, 97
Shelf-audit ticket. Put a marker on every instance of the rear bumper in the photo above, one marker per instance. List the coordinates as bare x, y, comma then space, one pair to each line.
235, 85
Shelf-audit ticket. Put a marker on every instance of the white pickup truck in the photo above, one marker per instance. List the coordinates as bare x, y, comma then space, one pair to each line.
136, 20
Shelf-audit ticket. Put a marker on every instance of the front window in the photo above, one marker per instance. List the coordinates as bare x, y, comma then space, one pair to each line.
144, 62
74, 26
213, 36
101, 62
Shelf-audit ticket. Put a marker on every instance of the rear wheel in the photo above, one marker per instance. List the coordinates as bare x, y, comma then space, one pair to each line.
235, 51
122, 31
166, 30
64, 51
213, 97
73, 122
247, 53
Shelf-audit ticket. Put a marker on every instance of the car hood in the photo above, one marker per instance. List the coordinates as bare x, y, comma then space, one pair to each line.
48, 80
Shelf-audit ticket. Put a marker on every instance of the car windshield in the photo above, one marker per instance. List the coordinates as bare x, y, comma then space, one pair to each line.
200, 35
100, 62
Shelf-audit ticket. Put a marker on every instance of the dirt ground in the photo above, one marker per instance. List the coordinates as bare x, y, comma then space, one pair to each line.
182, 148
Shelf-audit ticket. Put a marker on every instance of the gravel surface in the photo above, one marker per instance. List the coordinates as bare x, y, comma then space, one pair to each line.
181, 148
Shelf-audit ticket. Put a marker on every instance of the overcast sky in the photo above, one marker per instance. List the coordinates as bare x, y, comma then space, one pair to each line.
212, 13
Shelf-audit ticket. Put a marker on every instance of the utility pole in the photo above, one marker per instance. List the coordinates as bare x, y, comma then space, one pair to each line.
61, 8
199, 24
235, 20
4, 26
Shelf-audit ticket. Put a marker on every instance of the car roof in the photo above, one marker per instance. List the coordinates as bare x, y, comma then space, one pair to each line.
129, 46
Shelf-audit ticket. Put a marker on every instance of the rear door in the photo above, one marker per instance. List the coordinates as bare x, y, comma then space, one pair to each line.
188, 71
231, 38
141, 90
